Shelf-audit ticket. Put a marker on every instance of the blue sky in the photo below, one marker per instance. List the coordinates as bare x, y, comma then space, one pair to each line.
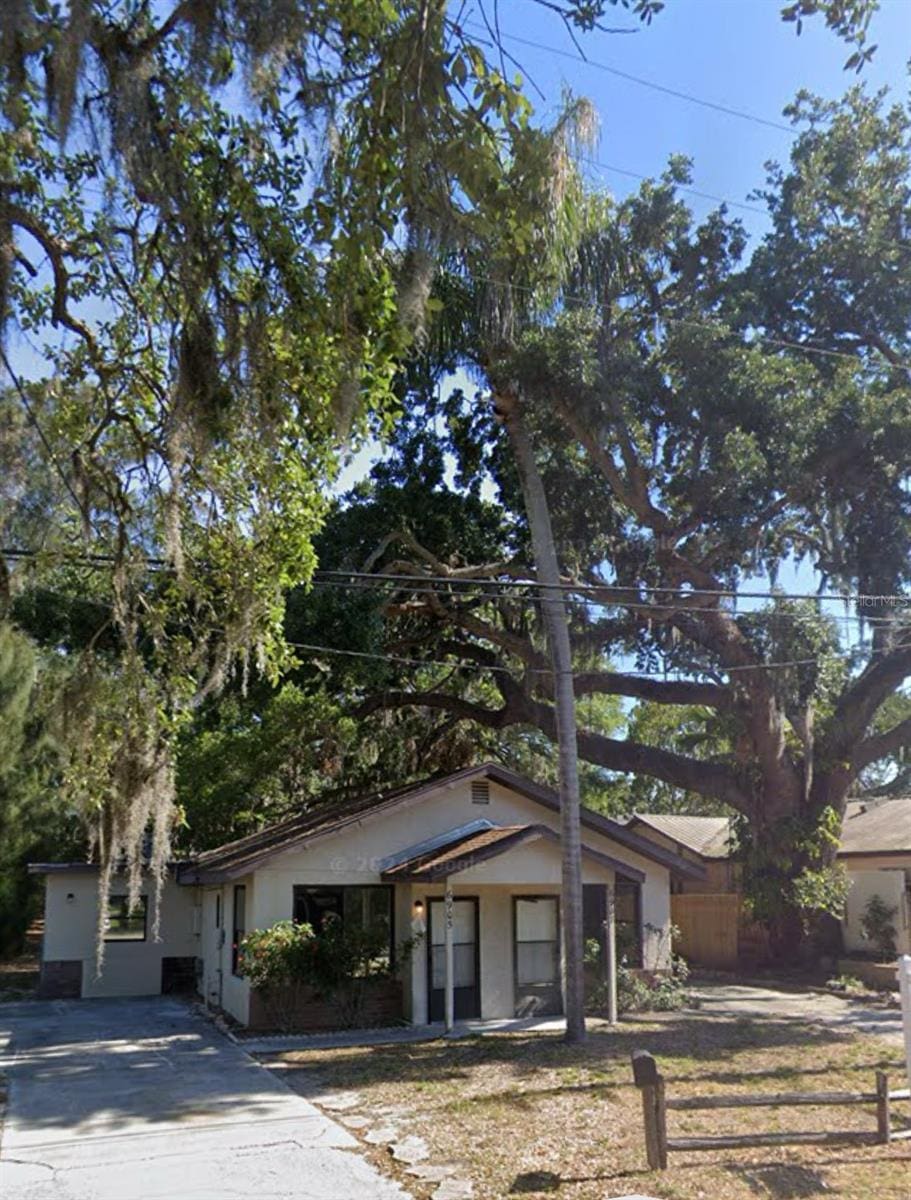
734, 53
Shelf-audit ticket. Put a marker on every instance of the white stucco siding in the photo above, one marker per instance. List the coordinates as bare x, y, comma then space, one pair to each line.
131, 968
891, 885
355, 855
235, 990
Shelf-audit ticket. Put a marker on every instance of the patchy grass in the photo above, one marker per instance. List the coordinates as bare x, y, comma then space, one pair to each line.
526, 1115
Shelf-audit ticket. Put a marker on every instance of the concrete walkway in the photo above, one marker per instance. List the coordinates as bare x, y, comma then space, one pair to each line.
142, 1100
820, 1008
394, 1034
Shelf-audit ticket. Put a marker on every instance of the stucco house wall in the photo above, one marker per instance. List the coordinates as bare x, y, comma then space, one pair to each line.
131, 968
356, 855
198, 915
892, 883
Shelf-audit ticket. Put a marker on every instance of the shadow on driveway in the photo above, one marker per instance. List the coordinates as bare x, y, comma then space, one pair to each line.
143, 1098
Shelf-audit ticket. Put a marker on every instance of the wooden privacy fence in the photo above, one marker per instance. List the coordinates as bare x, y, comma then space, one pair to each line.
714, 930
709, 926
655, 1107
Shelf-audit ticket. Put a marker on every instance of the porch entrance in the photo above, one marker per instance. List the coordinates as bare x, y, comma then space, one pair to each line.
466, 964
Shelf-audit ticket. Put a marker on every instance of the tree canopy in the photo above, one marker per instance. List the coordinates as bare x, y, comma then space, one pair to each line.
220, 225
704, 423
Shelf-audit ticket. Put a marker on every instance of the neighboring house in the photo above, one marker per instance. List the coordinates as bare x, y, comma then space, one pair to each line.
875, 850
385, 861
704, 841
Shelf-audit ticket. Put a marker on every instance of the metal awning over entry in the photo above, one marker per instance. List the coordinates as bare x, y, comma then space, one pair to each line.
467, 847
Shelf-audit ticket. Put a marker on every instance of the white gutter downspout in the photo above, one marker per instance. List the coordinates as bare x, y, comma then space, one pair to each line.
448, 985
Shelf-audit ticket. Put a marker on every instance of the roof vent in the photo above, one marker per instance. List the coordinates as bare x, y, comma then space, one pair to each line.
480, 792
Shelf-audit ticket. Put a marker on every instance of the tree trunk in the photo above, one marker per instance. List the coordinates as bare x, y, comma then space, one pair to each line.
508, 407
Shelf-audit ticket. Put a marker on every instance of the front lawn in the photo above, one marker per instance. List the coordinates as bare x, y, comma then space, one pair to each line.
526, 1115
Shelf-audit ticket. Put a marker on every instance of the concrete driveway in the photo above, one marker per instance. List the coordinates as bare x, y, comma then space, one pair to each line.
142, 1100
819, 1008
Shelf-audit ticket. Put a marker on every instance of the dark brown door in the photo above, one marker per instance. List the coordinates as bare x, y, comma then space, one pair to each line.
465, 959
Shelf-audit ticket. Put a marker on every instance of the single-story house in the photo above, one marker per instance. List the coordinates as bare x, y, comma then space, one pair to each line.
875, 850
485, 839
705, 841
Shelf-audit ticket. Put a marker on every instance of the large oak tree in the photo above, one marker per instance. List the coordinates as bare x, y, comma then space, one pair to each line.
703, 425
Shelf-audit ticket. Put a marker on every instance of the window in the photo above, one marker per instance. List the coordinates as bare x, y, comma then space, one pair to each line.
628, 910
368, 908
125, 924
218, 910
240, 927
537, 925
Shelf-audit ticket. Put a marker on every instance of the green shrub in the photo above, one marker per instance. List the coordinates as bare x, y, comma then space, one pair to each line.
637, 991
878, 927
337, 964
845, 983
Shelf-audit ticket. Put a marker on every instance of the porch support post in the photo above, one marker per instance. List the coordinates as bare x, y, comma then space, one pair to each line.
610, 937
448, 983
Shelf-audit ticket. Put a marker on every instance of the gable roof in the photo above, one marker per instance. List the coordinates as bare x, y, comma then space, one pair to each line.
462, 850
709, 837
245, 854
877, 826
874, 826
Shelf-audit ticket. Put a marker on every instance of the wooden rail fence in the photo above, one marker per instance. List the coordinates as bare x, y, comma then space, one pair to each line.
655, 1107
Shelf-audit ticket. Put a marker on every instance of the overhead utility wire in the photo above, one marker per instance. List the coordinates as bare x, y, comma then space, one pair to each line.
589, 591
679, 187
650, 606
758, 339
481, 667
626, 589
677, 93
475, 666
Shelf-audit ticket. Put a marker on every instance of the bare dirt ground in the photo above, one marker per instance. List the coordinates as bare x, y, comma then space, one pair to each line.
525, 1114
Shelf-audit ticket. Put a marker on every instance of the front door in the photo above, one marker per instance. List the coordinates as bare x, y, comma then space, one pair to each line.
537, 956
467, 992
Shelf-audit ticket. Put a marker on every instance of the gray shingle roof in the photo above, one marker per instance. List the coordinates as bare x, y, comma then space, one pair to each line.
877, 826
706, 836
465, 850
238, 857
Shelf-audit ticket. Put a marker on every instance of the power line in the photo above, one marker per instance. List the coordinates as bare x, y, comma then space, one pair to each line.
677, 93
646, 606
621, 595
315, 648
483, 668
680, 187
860, 598
689, 322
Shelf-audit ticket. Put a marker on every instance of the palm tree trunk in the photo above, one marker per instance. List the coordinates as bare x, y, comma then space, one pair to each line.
508, 407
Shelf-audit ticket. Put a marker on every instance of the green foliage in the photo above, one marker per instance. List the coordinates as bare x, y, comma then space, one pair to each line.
219, 306
790, 868
845, 983
878, 927
35, 823
695, 731
338, 964
637, 990
277, 956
